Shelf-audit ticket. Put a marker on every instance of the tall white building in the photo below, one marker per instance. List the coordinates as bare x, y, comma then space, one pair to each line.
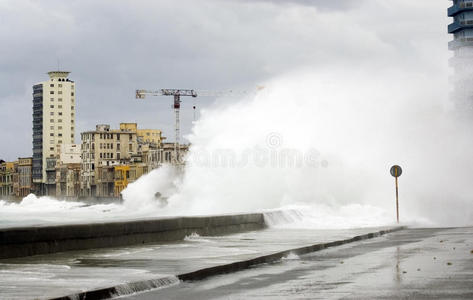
53, 125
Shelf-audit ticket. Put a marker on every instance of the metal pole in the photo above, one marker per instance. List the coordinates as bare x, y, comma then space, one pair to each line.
397, 201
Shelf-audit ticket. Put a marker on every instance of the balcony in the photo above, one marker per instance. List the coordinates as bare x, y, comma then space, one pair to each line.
460, 7
456, 25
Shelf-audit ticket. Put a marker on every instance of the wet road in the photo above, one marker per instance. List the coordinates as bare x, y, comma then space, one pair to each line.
410, 264
61, 274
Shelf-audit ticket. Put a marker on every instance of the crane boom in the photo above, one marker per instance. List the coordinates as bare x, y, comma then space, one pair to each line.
141, 94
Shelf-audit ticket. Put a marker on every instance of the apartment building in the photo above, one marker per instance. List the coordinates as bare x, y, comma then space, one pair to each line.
145, 136
25, 182
67, 171
104, 147
7, 170
53, 124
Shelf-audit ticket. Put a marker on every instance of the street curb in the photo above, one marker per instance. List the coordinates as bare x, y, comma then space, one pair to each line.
142, 286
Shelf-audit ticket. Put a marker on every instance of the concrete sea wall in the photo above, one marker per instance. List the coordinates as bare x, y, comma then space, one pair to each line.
20, 242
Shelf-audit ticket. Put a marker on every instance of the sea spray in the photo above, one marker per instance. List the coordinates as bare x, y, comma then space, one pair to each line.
152, 190
321, 141
326, 140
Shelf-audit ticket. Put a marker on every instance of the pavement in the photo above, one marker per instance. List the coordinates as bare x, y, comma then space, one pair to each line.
61, 274
434, 263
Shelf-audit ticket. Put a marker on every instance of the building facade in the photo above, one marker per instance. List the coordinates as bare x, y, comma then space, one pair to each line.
104, 147
53, 124
462, 44
7, 170
146, 136
25, 165
67, 171
168, 155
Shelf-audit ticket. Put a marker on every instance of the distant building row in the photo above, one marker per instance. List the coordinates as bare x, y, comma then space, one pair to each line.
103, 165
15, 177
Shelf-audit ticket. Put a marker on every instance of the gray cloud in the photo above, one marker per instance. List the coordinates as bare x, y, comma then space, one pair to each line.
320, 4
114, 47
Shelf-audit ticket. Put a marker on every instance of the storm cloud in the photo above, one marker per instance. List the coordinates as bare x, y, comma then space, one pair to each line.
115, 47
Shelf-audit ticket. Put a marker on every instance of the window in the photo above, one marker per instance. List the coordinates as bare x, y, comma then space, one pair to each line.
60, 134
60, 106
51, 85
72, 107
52, 99
51, 106
51, 141
111, 154
51, 92
59, 85
59, 142
60, 113
118, 146
130, 147
60, 120
59, 92
51, 148
51, 134
118, 136
52, 120
111, 146
52, 127
51, 113
59, 99
72, 115
100, 154
60, 128
72, 136
118, 155
72, 94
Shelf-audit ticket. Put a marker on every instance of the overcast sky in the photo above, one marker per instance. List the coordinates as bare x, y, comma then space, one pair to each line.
113, 47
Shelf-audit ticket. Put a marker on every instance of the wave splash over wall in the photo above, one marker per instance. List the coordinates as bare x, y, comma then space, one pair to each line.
310, 150
322, 144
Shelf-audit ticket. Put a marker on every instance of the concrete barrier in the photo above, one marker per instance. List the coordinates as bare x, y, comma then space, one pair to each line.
20, 242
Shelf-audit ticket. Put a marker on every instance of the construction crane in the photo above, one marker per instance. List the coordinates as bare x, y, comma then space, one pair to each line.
177, 93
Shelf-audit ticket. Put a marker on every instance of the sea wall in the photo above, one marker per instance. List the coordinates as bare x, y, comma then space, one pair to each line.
26, 241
